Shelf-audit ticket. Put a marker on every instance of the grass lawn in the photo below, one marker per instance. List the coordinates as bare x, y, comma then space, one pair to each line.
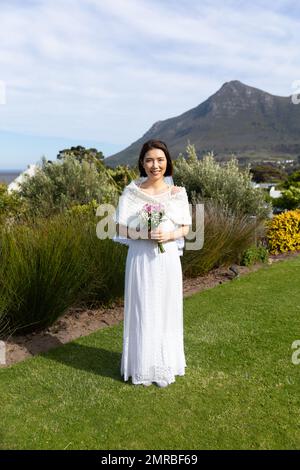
241, 389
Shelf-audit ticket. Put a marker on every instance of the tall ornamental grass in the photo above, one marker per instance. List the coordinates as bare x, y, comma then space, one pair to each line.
226, 236
49, 265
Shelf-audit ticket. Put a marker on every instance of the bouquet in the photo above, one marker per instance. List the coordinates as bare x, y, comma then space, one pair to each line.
152, 215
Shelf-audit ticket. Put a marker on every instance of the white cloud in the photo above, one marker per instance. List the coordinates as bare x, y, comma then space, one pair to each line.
107, 70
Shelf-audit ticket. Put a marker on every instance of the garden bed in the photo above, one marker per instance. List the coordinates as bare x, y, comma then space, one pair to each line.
79, 322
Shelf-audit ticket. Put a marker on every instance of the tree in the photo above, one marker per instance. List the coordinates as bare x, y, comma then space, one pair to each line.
267, 173
80, 153
294, 177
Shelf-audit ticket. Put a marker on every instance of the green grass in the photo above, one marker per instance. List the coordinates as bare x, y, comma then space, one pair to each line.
241, 389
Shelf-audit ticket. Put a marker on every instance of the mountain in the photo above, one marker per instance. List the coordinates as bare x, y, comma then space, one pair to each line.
237, 119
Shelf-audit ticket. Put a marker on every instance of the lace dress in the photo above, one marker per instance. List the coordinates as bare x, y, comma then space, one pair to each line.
153, 344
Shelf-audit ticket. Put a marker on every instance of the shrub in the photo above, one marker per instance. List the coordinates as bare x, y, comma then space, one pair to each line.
283, 232
255, 254
226, 236
11, 205
290, 198
206, 179
41, 272
83, 209
57, 186
104, 262
122, 175
49, 265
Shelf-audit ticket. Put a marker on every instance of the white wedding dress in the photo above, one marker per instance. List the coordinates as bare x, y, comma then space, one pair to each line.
153, 340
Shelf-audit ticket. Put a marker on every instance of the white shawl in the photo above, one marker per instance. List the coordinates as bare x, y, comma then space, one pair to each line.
133, 199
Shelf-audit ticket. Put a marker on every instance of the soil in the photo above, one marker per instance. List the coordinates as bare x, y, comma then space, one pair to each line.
79, 322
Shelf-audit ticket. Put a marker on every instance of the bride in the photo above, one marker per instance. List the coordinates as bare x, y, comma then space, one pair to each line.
153, 346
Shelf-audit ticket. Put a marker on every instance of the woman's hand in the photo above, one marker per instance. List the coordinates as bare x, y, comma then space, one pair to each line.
159, 235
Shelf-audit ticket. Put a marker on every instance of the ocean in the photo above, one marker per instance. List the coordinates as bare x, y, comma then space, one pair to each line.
7, 176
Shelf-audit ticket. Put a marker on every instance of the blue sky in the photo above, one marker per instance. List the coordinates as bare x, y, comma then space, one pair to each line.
99, 73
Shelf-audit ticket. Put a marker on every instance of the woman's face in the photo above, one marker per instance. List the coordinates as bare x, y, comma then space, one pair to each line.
155, 164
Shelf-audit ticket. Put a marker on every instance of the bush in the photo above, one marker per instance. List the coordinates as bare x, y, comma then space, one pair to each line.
49, 265
122, 175
83, 209
226, 236
104, 261
293, 178
41, 272
255, 254
232, 187
290, 198
11, 205
57, 186
283, 232
266, 173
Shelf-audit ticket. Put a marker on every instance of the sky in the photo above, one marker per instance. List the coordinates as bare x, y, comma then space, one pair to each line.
100, 73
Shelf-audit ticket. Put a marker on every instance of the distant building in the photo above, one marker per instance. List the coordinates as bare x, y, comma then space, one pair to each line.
274, 193
261, 185
15, 184
270, 187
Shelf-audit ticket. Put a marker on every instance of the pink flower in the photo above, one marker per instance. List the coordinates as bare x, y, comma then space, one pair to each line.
152, 215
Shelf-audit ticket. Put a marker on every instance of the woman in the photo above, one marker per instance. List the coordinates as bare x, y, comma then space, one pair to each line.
153, 349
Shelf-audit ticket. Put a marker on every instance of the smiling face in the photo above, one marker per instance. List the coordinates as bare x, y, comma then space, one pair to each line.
155, 164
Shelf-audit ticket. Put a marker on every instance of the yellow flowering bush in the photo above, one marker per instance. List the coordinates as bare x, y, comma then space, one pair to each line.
283, 232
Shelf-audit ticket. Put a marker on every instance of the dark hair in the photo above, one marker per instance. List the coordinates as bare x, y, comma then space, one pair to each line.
155, 144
